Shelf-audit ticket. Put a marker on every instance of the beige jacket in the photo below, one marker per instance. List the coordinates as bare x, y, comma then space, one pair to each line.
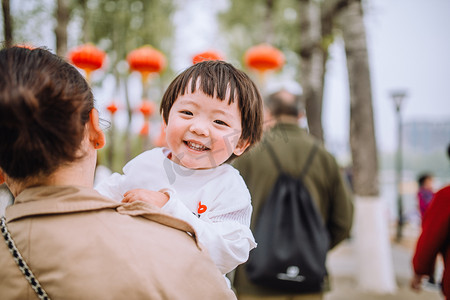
81, 245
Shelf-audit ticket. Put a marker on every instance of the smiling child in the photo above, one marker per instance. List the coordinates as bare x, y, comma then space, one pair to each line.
212, 113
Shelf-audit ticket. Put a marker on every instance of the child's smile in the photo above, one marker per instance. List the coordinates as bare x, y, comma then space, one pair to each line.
196, 146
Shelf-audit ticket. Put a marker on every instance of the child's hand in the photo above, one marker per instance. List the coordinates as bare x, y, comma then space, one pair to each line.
156, 198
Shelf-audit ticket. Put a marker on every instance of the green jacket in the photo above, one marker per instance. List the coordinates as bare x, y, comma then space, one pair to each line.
324, 181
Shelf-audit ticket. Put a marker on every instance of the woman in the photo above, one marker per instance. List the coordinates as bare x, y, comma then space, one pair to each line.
78, 244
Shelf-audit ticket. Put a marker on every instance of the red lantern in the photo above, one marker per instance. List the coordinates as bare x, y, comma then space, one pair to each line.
112, 108
146, 60
87, 57
264, 57
207, 55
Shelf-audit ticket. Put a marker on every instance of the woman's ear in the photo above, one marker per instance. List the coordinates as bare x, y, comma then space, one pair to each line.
241, 146
96, 134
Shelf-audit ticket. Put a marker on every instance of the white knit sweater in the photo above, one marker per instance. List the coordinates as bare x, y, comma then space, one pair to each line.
216, 202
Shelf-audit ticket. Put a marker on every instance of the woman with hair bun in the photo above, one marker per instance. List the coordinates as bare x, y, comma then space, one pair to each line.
63, 240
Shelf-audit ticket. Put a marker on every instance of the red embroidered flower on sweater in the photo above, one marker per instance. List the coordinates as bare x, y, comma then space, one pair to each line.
201, 208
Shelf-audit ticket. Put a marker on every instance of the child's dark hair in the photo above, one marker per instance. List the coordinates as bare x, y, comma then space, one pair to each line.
44, 106
219, 79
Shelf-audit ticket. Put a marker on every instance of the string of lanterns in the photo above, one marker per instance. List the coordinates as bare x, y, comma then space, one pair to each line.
146, 60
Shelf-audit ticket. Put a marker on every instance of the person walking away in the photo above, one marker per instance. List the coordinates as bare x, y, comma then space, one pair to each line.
292, 145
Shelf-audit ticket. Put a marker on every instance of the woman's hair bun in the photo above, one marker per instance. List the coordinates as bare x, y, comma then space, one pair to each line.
44, 105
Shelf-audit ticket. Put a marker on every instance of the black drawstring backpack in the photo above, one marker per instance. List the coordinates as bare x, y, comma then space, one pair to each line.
292, 239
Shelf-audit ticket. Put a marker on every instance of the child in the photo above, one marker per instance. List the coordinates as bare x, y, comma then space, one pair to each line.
212, 113
424, 196
425, 193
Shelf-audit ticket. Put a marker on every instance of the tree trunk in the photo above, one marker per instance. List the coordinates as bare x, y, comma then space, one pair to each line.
311, 64
362, 130
86, 19
62, 20
330, 10
371, 223
7, 23
269, 32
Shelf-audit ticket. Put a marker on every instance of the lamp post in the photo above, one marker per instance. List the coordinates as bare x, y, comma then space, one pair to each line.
398, 97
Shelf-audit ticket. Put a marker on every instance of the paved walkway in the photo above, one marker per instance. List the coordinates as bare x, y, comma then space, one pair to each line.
343, 270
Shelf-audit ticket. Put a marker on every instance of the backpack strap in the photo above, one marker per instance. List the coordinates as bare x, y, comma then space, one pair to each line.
273, 156
278, 164
309, 160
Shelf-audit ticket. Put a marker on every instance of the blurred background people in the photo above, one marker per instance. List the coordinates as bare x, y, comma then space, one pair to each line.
424, 196
434, 240
425, 192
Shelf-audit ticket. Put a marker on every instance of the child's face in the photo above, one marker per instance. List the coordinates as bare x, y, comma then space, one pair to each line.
203, 132
428, 183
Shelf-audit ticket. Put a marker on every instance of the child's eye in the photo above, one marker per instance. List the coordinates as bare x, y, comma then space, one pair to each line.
186, 112
220, 122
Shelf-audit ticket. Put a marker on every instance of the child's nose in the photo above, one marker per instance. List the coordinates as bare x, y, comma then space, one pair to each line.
199, 127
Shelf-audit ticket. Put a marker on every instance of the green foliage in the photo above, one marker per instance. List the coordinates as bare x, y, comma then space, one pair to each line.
121, 26
27, 22
116, 26
120, 157
247, 23
287, 25
327, 40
